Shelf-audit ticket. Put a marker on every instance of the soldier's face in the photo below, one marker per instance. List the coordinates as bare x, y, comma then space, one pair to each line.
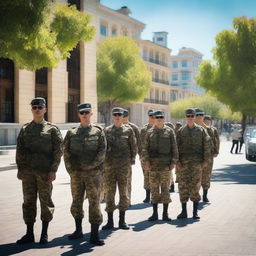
38, 110
199, 118
85, 115
118, 118
208, 122
159, 120
190, 118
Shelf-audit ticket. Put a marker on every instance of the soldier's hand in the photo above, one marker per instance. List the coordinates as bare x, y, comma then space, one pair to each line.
178, 164
19, 175
204, 164
51, 176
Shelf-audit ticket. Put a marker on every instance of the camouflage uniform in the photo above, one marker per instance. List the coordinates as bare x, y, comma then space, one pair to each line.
207, 171
176, 167
39, 150
143, 133
121, 153
84, 153
160, 151
194, 148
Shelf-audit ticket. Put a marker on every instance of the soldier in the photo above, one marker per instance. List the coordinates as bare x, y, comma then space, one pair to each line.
84, 153
207, 172
39, 150
121, 153
178, 125
143, 133
138, 142
194, 153
160, 155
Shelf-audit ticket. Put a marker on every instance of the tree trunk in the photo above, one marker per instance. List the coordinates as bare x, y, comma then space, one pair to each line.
244, 117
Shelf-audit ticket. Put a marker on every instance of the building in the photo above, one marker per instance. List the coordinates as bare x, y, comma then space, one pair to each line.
184, 68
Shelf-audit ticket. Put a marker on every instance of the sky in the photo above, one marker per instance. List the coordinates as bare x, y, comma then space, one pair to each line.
189, 23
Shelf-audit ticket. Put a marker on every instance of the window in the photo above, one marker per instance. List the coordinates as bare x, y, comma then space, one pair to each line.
184, 64
174, 77
184, 85
159, 39
114, 31
103, 29
185, 76
175, 64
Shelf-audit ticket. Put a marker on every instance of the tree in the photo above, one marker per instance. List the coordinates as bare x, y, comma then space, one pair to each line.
122, 75
209, 104
233, 78
40, 33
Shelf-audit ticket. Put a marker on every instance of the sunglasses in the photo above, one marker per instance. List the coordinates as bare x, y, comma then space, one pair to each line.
84, 112
199, 114
117, 114
159, 117
190, 116
37, 107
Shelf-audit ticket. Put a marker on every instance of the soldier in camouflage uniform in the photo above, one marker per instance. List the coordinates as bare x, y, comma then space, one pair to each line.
194, 153
138, 143
207, 172
84, 153
121, 153
159, 155
39, 150
143, 133
178, 125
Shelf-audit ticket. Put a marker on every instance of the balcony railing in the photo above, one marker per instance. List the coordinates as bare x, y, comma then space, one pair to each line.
157, 80
156, 101
156, 61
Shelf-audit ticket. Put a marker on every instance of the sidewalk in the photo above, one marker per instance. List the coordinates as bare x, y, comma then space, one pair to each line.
227, 226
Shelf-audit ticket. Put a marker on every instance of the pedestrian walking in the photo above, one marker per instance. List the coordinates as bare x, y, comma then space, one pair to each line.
235, 135
160, 155
120, 156
38, 154
143, 133
194, 153
84, 154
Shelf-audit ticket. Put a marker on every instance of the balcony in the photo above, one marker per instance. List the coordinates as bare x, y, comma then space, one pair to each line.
156, 61
156, 101
157, 80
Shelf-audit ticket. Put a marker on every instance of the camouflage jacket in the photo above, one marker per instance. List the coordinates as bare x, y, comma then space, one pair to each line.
143, 132
137, 136
216, 141
160, 146
121, 145
84, 148
39, 147
194, 143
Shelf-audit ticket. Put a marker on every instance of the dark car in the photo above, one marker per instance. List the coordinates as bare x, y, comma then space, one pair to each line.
250, 143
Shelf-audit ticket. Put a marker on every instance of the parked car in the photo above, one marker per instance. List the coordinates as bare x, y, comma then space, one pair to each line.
250, 142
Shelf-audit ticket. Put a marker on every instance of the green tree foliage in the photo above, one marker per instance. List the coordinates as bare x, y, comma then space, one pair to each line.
40, 33
122, 75
209, 104
232, 79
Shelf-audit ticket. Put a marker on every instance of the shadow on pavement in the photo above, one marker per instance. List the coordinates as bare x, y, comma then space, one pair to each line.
240, 174
140, 206
74, 247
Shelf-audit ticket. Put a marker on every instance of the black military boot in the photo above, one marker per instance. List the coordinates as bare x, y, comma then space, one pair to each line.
110, 223
94, 239
29, 236
205, 199
78, 233
195, 207
165, 213
147, 199
171, 190
122, 223
155, 214
44, 235
183, 214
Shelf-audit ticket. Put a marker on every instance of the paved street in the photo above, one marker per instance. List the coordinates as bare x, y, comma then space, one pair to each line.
227, 225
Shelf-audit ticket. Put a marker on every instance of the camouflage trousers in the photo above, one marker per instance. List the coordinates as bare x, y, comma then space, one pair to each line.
160, 183
207, 174
190, 175
130, 184
177, 172
34, 184
171, 178
117, 176
146, 177
89, 182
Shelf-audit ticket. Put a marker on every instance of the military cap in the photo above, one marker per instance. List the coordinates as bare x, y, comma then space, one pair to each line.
84, 106
190, 111
199, 111
207, 117
126, 112
158, 113
150, 112
38, 101
117, 111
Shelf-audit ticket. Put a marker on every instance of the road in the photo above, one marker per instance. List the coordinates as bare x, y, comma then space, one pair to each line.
227, 225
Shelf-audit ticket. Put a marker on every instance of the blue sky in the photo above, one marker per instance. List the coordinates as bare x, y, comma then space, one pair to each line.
190, 23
